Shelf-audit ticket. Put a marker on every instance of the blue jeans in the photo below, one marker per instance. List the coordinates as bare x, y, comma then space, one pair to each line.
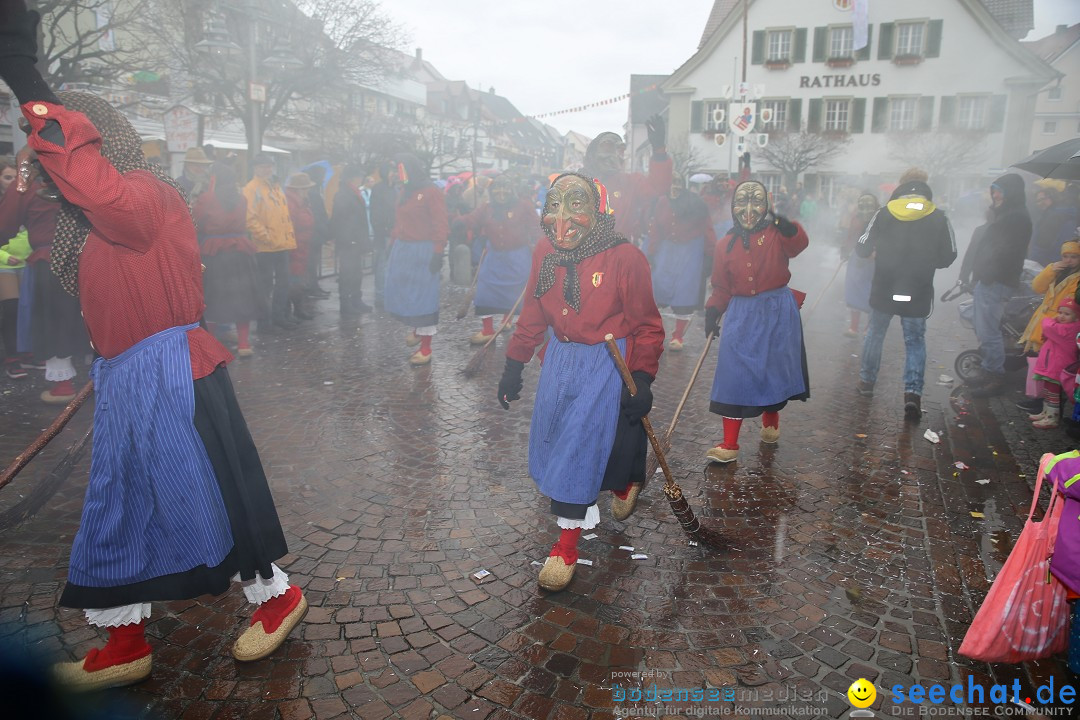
914, 344
990, 299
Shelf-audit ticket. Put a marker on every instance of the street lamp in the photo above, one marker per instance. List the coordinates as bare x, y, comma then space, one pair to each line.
218, 44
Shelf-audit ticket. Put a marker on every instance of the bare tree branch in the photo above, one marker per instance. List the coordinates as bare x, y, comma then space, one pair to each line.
795, 153
941, 154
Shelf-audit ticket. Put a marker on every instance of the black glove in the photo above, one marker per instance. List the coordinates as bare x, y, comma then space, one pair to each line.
510, 385
712, 321
785, 226
657, 132
18, 53
435, 265
638, 406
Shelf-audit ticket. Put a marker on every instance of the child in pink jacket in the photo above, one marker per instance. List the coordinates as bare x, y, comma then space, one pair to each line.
1059, 350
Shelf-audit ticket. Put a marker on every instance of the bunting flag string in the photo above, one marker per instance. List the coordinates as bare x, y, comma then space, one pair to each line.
588, 106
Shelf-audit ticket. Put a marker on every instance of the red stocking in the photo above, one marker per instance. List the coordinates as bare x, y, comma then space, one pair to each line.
731, 433
769, 419
127, 643
243, 334
425, 344
489, 326
622, 494
272, 612
566, 547
680, 328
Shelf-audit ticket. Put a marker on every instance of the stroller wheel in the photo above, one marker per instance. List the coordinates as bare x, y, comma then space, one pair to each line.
967, 365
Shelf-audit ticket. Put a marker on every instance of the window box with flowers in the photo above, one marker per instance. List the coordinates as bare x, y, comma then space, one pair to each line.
783, 64
909, 59
840, 62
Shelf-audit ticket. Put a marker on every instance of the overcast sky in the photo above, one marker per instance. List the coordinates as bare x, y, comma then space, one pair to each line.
547, 57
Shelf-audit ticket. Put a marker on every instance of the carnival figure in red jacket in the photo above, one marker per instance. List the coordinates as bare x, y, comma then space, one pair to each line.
586, 435
761, 364
177, 504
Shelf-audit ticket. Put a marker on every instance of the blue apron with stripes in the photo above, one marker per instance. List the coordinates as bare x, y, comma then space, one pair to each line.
574, 420
760, 358
501, 279
152, 506
676, 275
411, 289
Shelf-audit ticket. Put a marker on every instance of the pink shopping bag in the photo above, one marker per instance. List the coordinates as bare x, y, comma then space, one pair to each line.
1024, 616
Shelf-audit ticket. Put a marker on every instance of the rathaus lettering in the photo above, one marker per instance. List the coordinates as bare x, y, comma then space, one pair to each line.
838, 81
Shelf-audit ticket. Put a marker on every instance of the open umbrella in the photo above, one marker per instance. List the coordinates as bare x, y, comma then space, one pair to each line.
700, 178
1061, 161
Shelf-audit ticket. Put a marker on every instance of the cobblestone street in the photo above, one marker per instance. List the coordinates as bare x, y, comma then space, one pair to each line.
854, 548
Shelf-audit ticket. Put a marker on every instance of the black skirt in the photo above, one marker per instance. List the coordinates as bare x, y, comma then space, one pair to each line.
257, 536
57, 328
230, 287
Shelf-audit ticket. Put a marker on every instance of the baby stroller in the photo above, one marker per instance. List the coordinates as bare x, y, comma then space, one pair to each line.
1018, 311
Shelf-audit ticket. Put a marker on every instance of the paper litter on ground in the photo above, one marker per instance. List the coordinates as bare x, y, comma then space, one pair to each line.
583, 561
944, 380
537, 563
977, 514
639, 556
932, 436
629, 548
590, 536
983, 482
960, 466
480, 574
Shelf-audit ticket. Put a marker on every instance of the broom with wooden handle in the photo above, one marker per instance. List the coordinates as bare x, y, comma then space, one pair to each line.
665, 442
471, 295
683, 512
478, 358
22, 459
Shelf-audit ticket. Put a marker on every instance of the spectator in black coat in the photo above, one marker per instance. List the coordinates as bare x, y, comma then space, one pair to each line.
352, 241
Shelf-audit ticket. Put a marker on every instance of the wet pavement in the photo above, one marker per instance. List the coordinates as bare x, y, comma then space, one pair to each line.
854, 548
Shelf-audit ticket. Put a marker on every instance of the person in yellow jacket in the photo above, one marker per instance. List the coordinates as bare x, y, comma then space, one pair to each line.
271, 231
13, 256
1057, 281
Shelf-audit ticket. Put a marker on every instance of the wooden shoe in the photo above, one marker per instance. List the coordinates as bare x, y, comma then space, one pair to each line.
72, 675
721, 455
419, 358
622, 509
556, 574
675, 345
255, 643
770, 434
48, 398
412, 339
479, 338
244, 352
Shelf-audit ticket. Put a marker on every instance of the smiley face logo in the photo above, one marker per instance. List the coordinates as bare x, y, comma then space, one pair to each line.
862, 693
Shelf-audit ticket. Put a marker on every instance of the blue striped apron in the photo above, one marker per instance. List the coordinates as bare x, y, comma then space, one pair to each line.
411, 289
676, 276
501, 279
152, 506
760, 358
574, 420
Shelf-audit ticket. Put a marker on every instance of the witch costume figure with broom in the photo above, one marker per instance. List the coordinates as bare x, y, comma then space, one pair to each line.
762, 361
586, 434
507, 227
177, 504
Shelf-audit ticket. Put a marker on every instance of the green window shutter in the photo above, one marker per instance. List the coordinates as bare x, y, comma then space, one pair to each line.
794, 115
879, 121
864, 53
821, 41
858, 115
947, 113
933, 39
926, 112
996, 120
800, 45
885, 41
813, 123
757, 51
697, 116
